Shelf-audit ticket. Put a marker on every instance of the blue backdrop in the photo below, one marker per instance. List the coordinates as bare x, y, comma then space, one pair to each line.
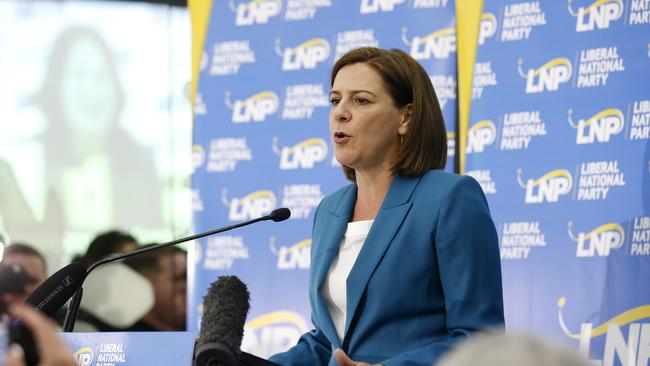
558, 138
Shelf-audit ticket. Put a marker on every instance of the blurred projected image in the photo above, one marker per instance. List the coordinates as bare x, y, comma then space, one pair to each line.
96, 125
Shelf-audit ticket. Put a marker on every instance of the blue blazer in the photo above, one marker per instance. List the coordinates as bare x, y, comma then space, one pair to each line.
428, 274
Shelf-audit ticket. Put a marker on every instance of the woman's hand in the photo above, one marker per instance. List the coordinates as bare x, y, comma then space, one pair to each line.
344, 360
52, 350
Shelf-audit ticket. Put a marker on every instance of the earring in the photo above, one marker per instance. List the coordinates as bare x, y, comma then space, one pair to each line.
401, 138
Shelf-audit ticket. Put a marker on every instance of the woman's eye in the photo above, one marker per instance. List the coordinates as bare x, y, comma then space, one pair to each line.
334, 101
361, 101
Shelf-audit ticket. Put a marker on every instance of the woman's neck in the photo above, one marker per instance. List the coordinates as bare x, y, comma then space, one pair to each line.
371, 190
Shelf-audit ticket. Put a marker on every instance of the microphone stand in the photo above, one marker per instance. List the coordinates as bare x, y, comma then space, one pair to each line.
279, 214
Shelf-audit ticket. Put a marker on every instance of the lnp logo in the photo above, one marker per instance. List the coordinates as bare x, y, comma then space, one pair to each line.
374, 6
301, 156
483, 133
84, 356
634, 352
273, 332
598, 128
198, 156
255, 11
600, 240
255, 108
251, 206
296, 256
597, 15
306, 56
548, 188
438, 44
548, 77
487, 28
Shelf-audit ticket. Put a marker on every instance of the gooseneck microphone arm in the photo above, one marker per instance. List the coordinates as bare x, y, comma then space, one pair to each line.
277, 215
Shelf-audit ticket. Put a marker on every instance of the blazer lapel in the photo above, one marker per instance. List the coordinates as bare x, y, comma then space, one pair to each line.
391, 214
333, 228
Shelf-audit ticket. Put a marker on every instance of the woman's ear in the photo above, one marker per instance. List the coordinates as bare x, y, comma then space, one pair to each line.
405, 122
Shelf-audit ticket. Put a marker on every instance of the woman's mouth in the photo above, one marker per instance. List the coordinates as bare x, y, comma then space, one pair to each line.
341, 137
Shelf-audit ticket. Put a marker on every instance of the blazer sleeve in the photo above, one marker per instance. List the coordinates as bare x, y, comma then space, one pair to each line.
312, 348
469, 263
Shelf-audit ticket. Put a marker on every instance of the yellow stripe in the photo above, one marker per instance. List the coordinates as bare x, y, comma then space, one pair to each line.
259, 194
482, 124
555, 62
627, 317
313, 42
551, 175
603, 228
83, 350
277, 317
261, 95
436, 34
599, 3
200, 14
468, 20
300, 245
605, 113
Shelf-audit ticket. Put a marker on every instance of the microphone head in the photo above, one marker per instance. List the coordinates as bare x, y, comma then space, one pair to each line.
52, 294
225, 307
280, 214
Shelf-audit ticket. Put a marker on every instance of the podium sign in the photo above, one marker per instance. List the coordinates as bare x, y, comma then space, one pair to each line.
131, 348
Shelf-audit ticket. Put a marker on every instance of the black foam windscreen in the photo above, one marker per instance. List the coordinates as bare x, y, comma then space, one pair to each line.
52, 294
225, 308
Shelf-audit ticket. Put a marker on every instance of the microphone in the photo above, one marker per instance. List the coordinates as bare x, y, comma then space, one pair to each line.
53, 293
277, 215
222, 326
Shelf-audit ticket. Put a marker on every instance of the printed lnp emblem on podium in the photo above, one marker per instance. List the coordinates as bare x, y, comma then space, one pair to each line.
84, 356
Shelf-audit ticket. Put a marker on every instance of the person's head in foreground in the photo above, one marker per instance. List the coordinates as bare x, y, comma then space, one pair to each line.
517, 349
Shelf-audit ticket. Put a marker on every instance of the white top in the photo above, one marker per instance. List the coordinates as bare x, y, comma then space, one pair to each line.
334, 288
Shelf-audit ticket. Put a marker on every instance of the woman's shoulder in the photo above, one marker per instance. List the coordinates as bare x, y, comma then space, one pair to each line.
444, 181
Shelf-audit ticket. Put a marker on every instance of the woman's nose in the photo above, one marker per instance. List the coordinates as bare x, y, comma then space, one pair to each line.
341, 114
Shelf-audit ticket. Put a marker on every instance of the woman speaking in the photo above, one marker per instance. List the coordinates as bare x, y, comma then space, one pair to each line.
405, 260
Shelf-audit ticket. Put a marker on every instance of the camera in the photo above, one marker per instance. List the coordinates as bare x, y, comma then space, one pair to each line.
13, 282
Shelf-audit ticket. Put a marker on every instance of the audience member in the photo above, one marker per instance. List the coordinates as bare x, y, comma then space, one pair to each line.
108, 243
32, 262
166, 268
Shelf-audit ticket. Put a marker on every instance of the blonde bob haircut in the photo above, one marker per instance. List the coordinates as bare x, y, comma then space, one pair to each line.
424, 146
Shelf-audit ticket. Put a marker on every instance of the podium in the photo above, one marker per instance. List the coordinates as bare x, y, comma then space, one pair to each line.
139, 349
131, 348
